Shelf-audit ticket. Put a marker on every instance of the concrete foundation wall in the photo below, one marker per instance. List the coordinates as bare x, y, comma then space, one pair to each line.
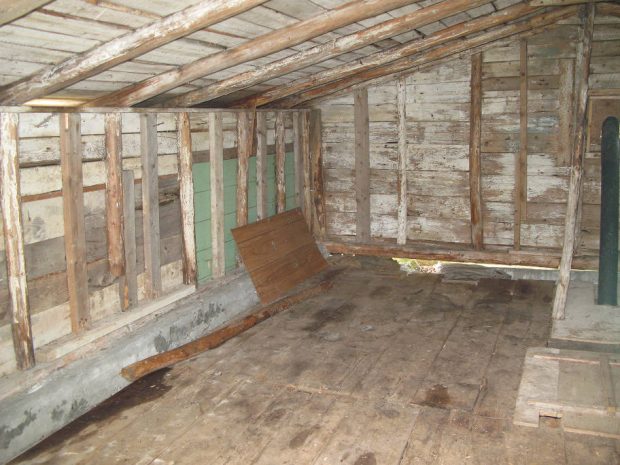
34, 414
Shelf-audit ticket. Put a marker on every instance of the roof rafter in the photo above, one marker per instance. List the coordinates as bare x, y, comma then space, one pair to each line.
319, 53
261, 46
123, 48
450, 48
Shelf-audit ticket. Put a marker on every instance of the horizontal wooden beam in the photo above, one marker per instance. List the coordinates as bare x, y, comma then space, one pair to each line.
388, 56
448, 49
121, 49
428, 252
561, 2
11, 10
261, 46
319, 53
611, 9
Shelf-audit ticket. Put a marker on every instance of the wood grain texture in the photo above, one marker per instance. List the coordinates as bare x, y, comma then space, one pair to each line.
217, 195
305, 168
520, 197
73, 209
297, 160
317, 185
11, 10
261, 166
21, 328
186, 197
128, 284
279, 164
475, 193
278, 253
244, 148
150, 205
566, 98
582, 69
114, 192
362, 165
401, 119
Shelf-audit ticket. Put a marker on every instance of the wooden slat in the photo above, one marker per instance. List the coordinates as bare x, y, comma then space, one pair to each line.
316, 168
244, 148
278, 253
114, 192
401, 121
11, 10
297, 156
582, 69
280, 159
305, 167
520, 197
14, 241
475, 125
121, 49
261, 166
150, 205
567, 85
362, 165
186, 196
73, 208
217, 194
128, 284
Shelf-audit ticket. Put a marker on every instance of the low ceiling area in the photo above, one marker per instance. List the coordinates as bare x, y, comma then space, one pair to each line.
231, 53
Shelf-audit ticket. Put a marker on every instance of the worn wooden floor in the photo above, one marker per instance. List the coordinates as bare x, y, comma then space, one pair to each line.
383, 369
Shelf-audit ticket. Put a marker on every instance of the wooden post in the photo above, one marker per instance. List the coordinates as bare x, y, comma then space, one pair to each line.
114, 192
186, 196
244, 146
128, 284
305, 168
280, 160
316, 170
14, 241
582, 67
475, 126
261, 166
401, 116
362, 165
297, 156
520, 197
73, 207
150, 205
566, 116
216, 153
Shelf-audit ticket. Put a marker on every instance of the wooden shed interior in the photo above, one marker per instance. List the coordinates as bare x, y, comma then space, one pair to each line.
245, 231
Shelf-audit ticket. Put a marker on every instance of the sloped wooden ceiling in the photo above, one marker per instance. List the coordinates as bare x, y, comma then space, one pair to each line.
222, 53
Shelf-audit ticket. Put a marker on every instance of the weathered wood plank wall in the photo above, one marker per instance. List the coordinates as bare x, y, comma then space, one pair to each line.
438, 130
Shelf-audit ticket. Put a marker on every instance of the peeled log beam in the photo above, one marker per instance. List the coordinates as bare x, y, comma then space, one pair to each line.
256, 48
387, 56
124, 48
326, 51
451, 48
11, 10
582, 68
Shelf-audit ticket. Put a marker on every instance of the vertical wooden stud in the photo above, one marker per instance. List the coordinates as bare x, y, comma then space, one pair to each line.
150, 205
186, 196
401, 116
216, 152
362, 164
566, 116
73, 207
316, 170
244, 146
128, 284
582, 68
14, 241
305, 167
298, 159
520, 196
280, 160
475, 127
114, 192
261, 166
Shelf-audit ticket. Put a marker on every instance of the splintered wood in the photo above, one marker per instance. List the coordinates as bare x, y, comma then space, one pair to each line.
278, 253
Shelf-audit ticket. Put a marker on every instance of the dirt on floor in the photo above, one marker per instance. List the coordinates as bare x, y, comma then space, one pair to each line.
385, 368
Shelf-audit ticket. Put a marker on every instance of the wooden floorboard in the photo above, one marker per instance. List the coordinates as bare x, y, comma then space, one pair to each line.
384, 368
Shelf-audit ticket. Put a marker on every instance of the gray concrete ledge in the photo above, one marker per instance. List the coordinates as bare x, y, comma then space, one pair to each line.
42, 408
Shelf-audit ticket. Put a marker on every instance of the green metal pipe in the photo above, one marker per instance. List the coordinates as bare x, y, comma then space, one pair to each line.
608, 248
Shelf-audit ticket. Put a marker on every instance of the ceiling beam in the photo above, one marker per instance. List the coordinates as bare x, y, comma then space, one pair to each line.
10, 10
261, 46
319, 53
451, 48
386, 56
123, 48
